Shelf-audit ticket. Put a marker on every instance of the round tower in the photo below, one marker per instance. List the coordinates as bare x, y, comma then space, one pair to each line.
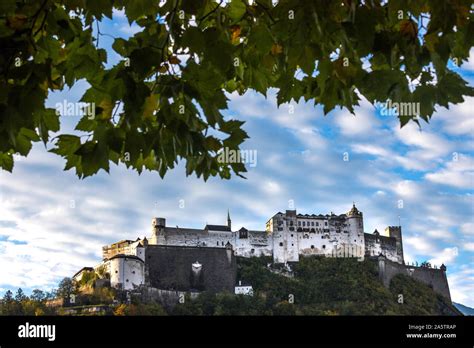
355, 225
157, 229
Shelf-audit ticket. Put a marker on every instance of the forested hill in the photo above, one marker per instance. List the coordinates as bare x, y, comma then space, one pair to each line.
321, 286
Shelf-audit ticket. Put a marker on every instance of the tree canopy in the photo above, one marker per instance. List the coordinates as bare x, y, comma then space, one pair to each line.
163, 101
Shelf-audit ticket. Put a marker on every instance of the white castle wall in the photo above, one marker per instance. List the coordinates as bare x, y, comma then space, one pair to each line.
126, 272
288, 235
251, 243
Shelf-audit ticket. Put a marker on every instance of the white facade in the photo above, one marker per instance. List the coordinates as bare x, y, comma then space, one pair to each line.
287, 237
126, 271
296, 234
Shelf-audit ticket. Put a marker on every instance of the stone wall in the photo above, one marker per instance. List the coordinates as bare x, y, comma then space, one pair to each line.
377, 244
167, 298
434, 278
171, 268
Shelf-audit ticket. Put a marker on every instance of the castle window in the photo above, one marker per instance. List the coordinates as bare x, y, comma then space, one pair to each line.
312, 246
252, 251
312, 223
304, 223
133, 272
292, 244
127, 280
281, 244
292, 235
291, 223
324, 247
116, 271
299, 223
217, 243
325, 223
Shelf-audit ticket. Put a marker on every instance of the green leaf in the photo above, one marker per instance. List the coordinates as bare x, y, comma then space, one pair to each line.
236, 9
48, 121
6, 161
100, 7
135, 9
24, 139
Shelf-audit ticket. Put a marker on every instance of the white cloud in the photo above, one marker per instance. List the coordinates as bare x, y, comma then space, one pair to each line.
467, 228
457, 173
363, 123
446, 256
440, 234
420, 244
461, 284
407, 189
459, 119
429, 144
469, 246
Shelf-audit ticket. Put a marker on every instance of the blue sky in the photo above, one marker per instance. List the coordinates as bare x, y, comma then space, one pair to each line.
52, 224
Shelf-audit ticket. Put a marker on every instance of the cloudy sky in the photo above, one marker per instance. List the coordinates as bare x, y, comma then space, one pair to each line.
52, 224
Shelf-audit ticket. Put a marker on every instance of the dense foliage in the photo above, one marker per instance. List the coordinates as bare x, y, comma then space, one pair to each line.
321, 286
20, 304
163, 102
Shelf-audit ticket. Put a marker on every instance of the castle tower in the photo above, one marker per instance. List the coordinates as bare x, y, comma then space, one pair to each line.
396, 232
355, 222
229, 222
157, 230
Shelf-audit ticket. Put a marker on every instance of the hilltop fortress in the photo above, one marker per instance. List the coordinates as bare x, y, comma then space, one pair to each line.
286, 238
177, 258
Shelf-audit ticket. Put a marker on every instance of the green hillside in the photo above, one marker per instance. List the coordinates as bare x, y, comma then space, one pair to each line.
321, 286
